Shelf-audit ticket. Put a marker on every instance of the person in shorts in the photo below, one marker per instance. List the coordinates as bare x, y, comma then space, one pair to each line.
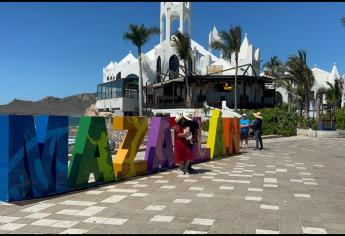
244, 131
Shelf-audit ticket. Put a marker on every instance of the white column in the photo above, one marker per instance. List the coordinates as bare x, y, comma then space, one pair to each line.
181, 24
168, 27
189, 25
161, 30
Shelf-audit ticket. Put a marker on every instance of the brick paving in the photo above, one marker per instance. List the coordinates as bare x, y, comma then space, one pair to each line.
295, 185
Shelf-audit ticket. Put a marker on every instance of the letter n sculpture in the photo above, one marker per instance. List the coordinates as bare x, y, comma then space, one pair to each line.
231, 135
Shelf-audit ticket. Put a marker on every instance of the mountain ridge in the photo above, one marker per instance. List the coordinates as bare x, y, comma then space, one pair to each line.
74, 105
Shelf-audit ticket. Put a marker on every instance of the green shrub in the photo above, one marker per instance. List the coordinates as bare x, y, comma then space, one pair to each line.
278, 121
205, 125
340, 118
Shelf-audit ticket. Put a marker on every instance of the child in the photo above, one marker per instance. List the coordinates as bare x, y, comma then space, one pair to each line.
188, 134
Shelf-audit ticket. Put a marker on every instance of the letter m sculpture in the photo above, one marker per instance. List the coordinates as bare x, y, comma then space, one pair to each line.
33, 156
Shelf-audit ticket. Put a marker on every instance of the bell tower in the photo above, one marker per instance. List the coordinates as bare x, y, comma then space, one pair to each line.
171, 11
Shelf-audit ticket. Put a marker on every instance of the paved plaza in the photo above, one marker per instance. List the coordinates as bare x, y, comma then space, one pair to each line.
295, 185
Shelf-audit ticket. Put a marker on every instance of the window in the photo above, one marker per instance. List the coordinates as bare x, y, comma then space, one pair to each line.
118, 76
103, 92
174, 67
131, 86
159, 69
99, 91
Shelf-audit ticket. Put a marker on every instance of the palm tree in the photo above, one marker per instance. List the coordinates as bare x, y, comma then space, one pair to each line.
301, 74
332, 94
319, 97
139, 35
182, 44
273, 64
231, 43
298, 98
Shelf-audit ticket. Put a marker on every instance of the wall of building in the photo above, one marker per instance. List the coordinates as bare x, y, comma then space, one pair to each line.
122, 104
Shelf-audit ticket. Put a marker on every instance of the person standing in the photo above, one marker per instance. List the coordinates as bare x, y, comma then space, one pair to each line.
244, 131
194, 127
182, 151
257, 126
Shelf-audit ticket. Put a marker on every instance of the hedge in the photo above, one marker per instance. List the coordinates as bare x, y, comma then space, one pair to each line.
278, 121
340, 118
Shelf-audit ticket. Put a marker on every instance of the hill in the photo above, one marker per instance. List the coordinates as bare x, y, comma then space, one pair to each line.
72, 105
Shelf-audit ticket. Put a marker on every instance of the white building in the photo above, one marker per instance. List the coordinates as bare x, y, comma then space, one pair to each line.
161, 65
321, 78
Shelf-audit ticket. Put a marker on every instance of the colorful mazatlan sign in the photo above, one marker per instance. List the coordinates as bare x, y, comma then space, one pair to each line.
34, 160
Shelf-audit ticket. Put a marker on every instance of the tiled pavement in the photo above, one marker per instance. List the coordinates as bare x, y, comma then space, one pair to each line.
295, 185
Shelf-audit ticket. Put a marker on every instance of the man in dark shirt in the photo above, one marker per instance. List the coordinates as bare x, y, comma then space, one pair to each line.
257, 126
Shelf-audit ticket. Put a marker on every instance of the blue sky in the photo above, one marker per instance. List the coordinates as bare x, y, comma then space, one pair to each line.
59, 49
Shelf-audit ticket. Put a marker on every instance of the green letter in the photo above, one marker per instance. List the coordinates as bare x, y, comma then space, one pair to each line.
90, 154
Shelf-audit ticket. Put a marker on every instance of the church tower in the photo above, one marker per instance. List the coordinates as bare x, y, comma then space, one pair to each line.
171, 11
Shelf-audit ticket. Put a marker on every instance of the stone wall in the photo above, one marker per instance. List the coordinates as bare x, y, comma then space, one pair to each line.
321, 133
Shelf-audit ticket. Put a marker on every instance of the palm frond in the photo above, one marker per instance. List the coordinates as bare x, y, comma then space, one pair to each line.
231, 41
182, 45
139, 35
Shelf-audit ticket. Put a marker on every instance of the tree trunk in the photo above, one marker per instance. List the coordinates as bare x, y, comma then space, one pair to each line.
289, 103
236, 70
188, 95
306, 104
140, 84
318, 108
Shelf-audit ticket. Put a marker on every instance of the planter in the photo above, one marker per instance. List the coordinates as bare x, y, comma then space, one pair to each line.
326, 124
306, 132
321, 133
341, 133
327, 134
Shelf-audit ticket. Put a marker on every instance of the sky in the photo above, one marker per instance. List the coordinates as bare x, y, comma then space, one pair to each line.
60, 49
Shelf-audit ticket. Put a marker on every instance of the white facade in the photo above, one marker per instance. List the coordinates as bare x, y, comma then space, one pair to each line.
321, 79
164, 51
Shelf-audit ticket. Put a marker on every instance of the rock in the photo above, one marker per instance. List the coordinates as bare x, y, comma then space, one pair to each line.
91, 111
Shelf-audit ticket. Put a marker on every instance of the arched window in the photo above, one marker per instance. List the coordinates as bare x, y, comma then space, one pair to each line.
107, 78
118, 76
173, 67
159, 69
131, 88
175, 25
